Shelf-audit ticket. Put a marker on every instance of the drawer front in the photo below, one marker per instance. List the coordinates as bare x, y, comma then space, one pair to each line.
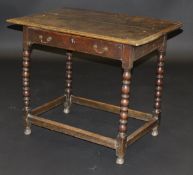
76, 43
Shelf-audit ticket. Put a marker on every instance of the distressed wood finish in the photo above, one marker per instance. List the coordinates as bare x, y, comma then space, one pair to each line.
145, 49
116, 27
110, 108
92, 104
48, 106
141, 131
73, 131
111, 35
76, 43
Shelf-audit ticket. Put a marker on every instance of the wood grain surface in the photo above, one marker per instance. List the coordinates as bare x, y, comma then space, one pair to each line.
116, 27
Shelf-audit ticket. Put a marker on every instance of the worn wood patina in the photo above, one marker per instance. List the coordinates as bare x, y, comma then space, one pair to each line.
117, 27
112, 35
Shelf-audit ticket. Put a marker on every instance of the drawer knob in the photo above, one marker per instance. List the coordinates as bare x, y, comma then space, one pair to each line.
48, 39
72, 40
100, 50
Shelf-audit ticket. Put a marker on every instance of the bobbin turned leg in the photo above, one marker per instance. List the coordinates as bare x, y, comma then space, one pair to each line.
68, 83
122, 134
159, 86
26, 88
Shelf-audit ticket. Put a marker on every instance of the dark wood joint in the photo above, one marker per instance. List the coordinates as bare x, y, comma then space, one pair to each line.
27, 44
163, 45
127, 56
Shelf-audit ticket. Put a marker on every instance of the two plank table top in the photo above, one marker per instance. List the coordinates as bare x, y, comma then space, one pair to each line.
113, 35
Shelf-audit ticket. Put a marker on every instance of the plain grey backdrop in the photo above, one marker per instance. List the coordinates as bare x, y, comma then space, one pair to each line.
167, 9
45, 152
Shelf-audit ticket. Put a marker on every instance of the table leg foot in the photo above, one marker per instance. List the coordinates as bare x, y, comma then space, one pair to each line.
66, 110
120, 161
155, 132
27, 131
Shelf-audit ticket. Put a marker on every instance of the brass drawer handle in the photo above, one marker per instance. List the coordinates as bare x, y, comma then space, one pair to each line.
100, 51
48, 39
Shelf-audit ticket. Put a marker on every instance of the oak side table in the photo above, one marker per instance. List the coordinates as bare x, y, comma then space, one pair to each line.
113, 35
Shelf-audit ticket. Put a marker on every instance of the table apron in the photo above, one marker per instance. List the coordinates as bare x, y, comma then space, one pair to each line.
76, 43
145, 49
